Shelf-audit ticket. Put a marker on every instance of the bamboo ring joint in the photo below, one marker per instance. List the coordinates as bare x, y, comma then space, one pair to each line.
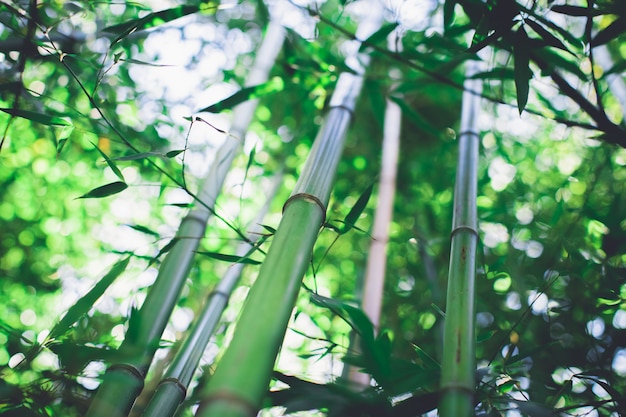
131, 369
308, 197
177, 384
459, 228
232, 398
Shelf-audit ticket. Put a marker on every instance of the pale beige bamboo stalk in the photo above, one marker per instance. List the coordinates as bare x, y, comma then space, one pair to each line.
374, 280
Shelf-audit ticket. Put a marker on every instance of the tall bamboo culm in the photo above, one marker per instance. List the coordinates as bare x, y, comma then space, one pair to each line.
242, 376
459, 358
124, 381
374, 279
172, 389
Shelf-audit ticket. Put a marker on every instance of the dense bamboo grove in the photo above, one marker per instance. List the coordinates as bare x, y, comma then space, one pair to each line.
219, 208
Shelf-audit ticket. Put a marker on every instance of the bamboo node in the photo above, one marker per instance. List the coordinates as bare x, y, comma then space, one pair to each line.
459, 228
232, 398
131, 369
469, 133
177, 384
456, 386
308, 197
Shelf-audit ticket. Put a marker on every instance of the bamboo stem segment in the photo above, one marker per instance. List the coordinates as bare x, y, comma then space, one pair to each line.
172, 389
241, 379
459, 361
122, 383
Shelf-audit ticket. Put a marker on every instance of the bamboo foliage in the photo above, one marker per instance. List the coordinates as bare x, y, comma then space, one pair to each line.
123, 382
458, 364
243, 374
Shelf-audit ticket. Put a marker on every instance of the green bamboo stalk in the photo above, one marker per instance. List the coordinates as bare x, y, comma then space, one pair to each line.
124, 381
172, 389
459, 358
242, 376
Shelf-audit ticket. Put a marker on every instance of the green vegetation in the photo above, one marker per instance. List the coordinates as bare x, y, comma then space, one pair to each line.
132, 250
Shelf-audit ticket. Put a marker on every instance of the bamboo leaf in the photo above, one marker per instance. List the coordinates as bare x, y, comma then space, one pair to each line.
618, 68
106, 190
557, 60
379, 36
144, 155
355, 212
612, 31
448, 13
415, 117
174, 153
575, 10
425, 360
86, 302
230, 258
275, 85
548, 37
269, 228
135, 156
615, 395
42, 118
168, 247
499, 73
521, 68
143, 229
150, 64
110, 163
154, 19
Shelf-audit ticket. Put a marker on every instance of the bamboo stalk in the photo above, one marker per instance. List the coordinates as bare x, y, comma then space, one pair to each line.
459, 359
241, 379
173, 387
123, 382
374, 279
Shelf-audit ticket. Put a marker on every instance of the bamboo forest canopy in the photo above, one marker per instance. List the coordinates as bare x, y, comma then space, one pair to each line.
112, 112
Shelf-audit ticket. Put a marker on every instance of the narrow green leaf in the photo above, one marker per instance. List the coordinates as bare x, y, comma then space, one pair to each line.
355, 212
143, 229
86, 302
557, 60
379, 36
249, 164
154, 19
575, 10
274, 85
499, 73
548, 37
615, 395
149, 64
60, 145
377, 101
174, 153
230, 258
106, 190
618, 68
521, 68
530, 408
168, 247
135, 156
110, 163
269, 228
448, 13
415, 117
425, 360
42, 118
612, 31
